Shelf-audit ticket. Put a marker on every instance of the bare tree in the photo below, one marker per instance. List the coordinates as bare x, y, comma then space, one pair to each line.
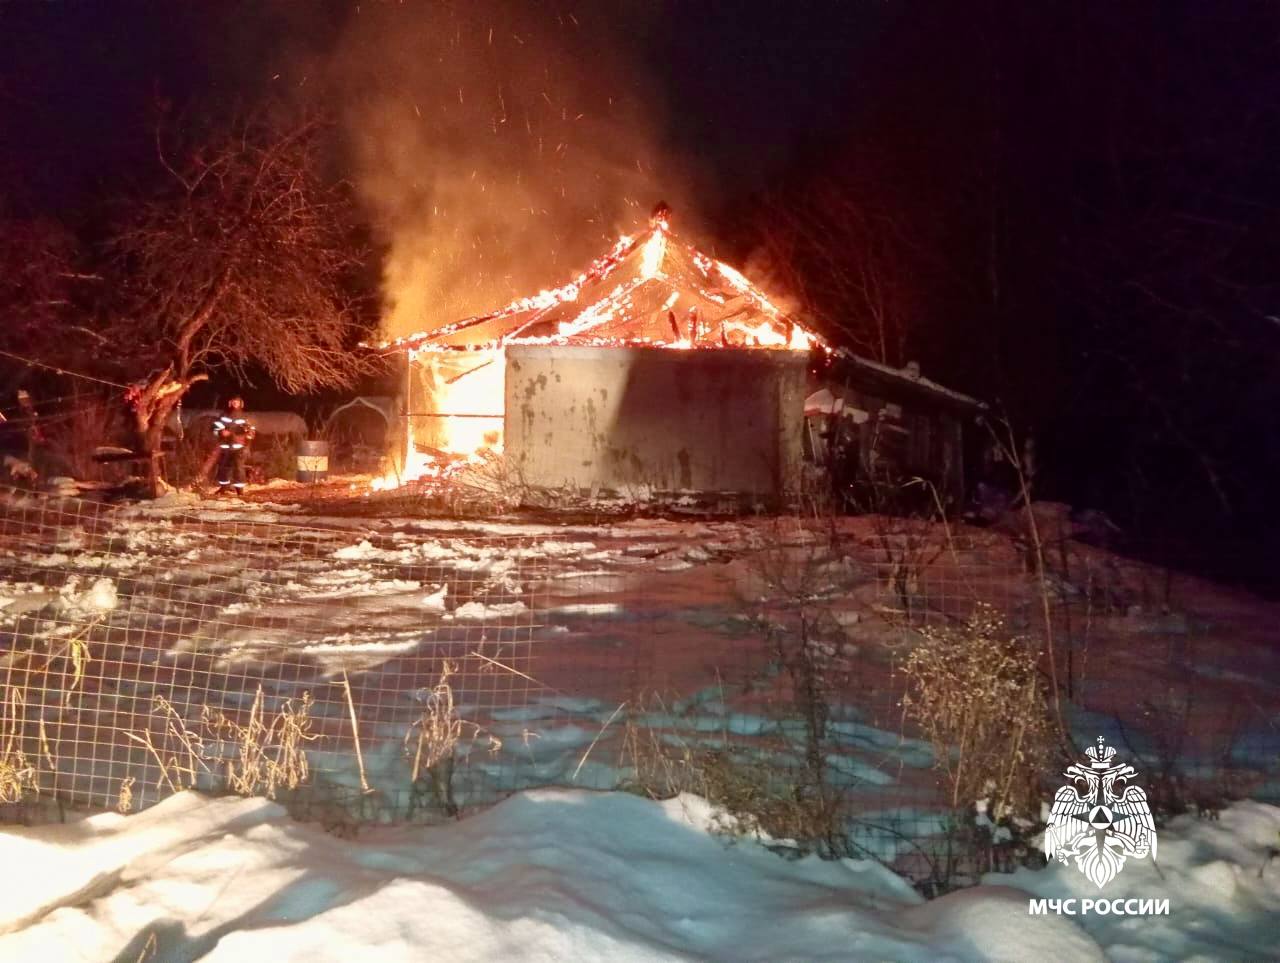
847, 263
247, 257
38, 279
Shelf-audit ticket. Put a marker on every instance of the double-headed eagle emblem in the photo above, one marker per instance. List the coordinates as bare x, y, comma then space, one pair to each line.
1100, 826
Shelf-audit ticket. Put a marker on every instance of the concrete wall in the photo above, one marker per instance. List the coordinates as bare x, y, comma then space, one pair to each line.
715, 420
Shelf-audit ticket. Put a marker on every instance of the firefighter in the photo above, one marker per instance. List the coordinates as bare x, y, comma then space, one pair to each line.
234, 433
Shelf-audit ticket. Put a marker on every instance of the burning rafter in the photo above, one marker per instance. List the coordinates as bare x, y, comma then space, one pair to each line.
649, 289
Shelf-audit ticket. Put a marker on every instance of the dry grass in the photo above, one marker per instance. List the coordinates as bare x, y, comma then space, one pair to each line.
78, 656
18, 772
355, 732
976, 693
662, 767
25, 752
269, 750
432, 740
180, 755
436, 733
124, 798
438, 729
752, 795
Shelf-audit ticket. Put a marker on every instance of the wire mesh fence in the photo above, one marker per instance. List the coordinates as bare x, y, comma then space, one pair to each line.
375, 669
146, 654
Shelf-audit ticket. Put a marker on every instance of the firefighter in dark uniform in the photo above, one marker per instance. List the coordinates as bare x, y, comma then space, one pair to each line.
234, 433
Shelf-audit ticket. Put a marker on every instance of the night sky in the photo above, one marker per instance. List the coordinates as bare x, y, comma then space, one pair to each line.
739, 88
1083, 196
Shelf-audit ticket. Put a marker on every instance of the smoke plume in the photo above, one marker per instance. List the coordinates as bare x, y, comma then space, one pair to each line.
498, 148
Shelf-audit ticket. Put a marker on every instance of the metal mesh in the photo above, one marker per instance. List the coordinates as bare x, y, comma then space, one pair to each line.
151, 651
383, 669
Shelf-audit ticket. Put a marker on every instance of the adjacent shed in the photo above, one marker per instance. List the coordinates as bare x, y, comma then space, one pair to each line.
872, 426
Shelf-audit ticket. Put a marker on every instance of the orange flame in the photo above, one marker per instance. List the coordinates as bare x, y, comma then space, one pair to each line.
654, 250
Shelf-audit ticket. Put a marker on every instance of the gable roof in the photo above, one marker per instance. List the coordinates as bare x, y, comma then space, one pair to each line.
650, 289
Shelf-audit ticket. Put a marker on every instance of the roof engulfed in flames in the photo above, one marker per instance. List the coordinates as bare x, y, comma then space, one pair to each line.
649, 289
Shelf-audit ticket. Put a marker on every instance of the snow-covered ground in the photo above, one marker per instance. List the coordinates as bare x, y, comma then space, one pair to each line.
570, 875
549, 629
559, 637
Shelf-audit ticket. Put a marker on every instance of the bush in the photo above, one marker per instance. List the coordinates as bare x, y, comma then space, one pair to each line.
975, 692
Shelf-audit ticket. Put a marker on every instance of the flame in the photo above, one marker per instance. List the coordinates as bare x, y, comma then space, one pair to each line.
766, 335
472, 403
654, 250
600, 268
420, 465
740, 284
777, 331
468, 391
598, 313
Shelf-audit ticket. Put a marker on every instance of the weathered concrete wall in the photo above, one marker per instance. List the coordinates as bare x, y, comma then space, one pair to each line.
719, 420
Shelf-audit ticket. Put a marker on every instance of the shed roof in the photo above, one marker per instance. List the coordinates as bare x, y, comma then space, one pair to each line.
651, 288
897, 382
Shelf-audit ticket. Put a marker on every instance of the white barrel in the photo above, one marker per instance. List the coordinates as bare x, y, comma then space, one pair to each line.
313, 461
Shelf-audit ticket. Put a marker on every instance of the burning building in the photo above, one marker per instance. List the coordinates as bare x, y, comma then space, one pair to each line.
657, 367
663, 369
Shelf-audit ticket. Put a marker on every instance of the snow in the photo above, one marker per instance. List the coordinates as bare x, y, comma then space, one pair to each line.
97, 599
546, 875
478, 611
903, 374
19, 597
434, 601
569, 874
588, 608
1224, 897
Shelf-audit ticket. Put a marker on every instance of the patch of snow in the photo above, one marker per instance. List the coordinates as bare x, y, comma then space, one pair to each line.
677, 566
649, 549
50, 560
545, 875
349, 583
338, 646
361, 551
1224, 897
17, 598
434, 602
476, 611
588, 608
96, 600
